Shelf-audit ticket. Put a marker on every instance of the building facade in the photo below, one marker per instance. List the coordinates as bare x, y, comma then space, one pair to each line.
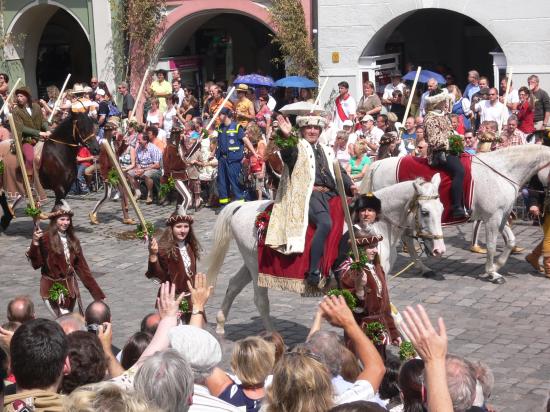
365, 39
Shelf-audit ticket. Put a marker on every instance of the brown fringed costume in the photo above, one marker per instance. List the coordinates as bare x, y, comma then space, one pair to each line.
374, 302
173, 164
55, 267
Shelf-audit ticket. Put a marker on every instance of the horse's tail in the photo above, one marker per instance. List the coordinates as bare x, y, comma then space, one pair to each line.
220, 244
366, 182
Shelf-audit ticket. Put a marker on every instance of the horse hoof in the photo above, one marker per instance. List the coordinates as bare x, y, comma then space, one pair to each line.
432, 275
220, 323
498, 281
93, 219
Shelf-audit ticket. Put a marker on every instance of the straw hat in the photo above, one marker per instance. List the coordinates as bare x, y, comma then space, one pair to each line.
78, 89
242, 88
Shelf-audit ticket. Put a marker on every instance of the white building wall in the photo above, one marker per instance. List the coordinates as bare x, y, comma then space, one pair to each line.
522, 29
103, 42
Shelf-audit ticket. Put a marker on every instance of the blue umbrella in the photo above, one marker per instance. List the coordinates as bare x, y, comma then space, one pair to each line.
297, 82
254, 80
425, 75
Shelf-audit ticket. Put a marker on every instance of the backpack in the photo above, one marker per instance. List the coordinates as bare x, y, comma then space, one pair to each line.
113, 110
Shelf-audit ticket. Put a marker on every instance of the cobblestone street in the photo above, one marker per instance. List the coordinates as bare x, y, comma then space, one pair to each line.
504, 325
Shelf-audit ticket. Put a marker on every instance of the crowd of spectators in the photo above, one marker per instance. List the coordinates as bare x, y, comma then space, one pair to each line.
70, 364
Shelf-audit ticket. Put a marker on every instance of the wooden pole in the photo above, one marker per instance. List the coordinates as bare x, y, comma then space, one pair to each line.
411, 96
21, 161
508, 85
14, 88
59, 98
112, 156
138, 97
347, 216
211, 122
320, 93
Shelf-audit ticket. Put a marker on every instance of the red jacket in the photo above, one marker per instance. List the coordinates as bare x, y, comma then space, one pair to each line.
526, 118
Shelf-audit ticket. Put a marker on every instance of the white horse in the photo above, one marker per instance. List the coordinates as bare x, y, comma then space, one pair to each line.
412, 206
498, 177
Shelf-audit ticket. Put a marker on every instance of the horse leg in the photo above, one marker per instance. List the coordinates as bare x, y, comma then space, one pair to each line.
106, 195
492, 231
235, 286
425, 271
509, 244
261, 300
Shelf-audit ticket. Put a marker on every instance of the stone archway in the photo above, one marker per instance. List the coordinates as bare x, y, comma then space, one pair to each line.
437, 39
42, 24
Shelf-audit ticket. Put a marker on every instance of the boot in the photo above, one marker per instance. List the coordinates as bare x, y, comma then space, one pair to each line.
478, 249
533, 258
314, 277
546, 264
93, 218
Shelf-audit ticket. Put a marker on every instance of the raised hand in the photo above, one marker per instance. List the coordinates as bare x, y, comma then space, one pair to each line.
284, 125
429, 344
200, 292
167, 302
336, 311
37, 234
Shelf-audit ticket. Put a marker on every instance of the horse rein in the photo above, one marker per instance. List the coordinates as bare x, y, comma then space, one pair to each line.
498, 173
76, 131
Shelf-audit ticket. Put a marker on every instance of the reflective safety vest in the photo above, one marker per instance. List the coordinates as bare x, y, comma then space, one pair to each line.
230, 142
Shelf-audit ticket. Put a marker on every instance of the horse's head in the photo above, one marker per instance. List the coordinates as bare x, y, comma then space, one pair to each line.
85, 131
427, 210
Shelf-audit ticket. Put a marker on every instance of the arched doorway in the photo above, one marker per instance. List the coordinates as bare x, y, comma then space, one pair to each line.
63, 49
218, 45
52, 43
436, 39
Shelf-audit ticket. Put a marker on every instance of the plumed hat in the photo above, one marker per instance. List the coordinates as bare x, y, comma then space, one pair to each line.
368, 201
367, 238
432, 102
61, 210
180, 216
312, 120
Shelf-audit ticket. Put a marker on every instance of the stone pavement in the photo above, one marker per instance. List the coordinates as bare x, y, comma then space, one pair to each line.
503, 325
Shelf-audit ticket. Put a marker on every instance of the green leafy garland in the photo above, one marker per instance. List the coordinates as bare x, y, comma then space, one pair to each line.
148, 231
57, 291
361, 264
351, 300
284, 142
406, 351
113, 178
375, 332
456, 145
32, 211
184, 306
166, 188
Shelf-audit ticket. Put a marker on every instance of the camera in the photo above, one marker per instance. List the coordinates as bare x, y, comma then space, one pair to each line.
94, 328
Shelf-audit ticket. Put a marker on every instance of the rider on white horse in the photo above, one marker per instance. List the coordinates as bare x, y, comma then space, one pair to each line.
307, 185
437, 130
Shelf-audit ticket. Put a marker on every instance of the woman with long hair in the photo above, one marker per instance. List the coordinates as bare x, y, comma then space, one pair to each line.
411, 384
300, 383
154, 115
360, 162
58, 255
173, 258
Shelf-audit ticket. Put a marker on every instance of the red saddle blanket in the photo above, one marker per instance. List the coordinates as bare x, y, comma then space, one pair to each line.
287, 272
410, 167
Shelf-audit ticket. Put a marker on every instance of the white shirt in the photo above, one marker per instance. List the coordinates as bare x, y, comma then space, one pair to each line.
349, 106
513, 98
360, 391
169, 119
389, 89
203, 401
423, 103
489, 112
185, 257
181, 95
373, 137
271, 103
65, 244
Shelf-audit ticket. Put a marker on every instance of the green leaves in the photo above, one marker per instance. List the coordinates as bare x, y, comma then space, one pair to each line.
375, 331
289, 142
406, 351
32, 211
57, 292
148, 231
113, 178
292, 38
1, 167
351, 300
456, 144
184, 306
166, 188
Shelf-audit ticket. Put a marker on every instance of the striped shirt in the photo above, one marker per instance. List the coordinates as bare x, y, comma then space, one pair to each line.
146, 156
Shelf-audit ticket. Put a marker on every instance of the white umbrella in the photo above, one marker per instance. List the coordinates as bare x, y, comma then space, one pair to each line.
302, 108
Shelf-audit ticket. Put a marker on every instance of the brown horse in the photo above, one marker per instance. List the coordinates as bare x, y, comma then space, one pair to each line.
58, 166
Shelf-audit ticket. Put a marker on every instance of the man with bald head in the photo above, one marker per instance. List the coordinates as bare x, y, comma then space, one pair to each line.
21, 309
432, 86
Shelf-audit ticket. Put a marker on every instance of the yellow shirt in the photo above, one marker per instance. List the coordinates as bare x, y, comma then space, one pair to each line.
161, 88
243, 106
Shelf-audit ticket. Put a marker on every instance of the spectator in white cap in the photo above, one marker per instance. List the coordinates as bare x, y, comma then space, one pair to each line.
352, 137
371, 134
203, 353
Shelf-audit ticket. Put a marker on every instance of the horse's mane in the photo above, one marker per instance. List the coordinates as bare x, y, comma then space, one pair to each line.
64, 130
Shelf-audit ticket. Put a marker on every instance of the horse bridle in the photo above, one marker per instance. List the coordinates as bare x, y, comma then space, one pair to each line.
418, 232
76, 132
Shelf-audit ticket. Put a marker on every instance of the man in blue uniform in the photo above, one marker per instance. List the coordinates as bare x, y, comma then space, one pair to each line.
230, 153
